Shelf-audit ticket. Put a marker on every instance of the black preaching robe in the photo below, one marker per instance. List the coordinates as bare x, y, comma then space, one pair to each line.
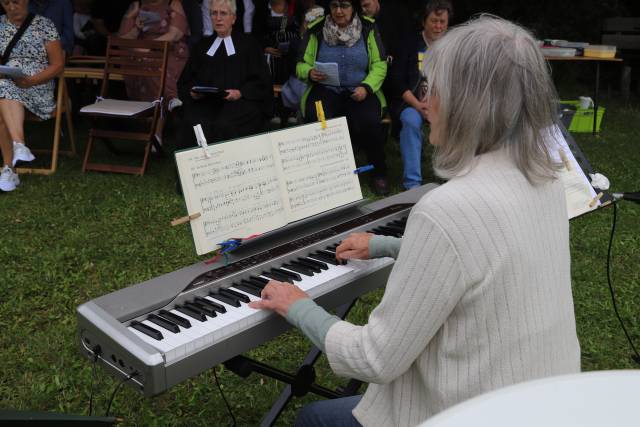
246, 70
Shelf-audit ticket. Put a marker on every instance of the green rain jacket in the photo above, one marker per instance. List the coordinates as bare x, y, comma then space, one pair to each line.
377, 59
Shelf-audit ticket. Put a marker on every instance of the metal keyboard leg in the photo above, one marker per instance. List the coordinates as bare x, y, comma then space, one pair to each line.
299, 384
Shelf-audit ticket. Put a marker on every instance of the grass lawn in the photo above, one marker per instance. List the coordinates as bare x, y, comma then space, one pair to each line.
71, 237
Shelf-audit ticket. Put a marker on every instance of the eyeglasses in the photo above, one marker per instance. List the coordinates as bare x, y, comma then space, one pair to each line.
221, 13
341, 5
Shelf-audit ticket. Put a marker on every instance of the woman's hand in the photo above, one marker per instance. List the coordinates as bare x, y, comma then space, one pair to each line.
356, 246
423, 109
25, 82
317, 76
196, 95
273, 51
279, 296
233, 95
359, 94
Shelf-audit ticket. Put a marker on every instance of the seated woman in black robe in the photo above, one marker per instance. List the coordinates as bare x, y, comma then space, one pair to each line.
234, 63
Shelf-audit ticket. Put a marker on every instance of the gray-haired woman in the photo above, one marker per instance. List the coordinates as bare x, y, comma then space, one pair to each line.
480, 294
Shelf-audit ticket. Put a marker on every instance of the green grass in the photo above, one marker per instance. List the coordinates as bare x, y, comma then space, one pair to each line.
69, 238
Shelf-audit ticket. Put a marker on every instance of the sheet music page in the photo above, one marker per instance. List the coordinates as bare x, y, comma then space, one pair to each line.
578, 190
316, 168
236, 190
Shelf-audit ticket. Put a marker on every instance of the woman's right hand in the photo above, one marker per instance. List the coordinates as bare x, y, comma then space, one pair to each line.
317, 76
273, 51
356, 246
196, 95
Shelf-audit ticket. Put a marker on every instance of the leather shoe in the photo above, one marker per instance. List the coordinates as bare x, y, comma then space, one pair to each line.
380, 186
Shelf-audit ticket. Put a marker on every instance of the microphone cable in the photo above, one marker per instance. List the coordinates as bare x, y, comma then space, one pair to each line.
636, 355
215, 375
115, 390
96, 355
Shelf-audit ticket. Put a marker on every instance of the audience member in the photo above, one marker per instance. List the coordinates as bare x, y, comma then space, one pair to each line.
160, 20
38, 53
60, 13
245, 10
232, 62
408, 103
193, 12
479, 297
353, 42
393, 22
106, 16
82, 26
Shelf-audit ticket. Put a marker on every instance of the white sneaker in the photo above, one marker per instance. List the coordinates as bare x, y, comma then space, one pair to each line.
8, 179
21, 153
174, 103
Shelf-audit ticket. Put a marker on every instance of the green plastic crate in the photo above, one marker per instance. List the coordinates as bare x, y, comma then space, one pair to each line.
582, 121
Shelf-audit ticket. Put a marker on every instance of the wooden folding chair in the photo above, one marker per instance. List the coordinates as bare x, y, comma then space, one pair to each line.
63, 106
136, 58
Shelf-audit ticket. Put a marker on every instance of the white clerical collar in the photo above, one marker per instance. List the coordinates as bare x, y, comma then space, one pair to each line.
228, 45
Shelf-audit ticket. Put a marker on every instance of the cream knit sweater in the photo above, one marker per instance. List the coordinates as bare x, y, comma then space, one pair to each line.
479, 298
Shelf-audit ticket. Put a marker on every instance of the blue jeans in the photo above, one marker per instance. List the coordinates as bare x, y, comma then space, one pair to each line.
411, 147
329, 413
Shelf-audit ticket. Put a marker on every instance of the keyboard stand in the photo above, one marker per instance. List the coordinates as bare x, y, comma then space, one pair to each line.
299, 384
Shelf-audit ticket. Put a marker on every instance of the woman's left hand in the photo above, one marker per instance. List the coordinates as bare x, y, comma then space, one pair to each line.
279, 296
359, 94
25, 82
233, 95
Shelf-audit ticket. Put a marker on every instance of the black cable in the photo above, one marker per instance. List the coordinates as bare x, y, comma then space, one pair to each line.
636, 357
215, 375
96, 356
115, 390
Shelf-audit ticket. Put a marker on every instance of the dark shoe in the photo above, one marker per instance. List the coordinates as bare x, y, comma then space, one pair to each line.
380, 186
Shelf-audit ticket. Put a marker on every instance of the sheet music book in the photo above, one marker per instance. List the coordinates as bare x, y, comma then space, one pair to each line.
117, 107
578, 190
13, 72
263, 182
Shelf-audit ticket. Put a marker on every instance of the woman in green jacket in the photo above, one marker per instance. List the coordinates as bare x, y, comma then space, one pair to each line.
353, 42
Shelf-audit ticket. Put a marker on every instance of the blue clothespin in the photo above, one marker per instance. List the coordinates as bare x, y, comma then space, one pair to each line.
363, 169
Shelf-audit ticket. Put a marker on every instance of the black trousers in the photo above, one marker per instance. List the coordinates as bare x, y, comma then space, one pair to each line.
220, 120
363, 119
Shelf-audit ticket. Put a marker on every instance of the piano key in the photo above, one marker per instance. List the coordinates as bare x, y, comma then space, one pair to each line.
260, 279
178, 320
309, 265
318, 255
292, 275
298, 269
147, 330
225, 299
166, 324
158, 345
170, 338
314, 262
217, 307
249, 296
233, 293
257, 283
273, 275
193, 313
207, 310
248, 288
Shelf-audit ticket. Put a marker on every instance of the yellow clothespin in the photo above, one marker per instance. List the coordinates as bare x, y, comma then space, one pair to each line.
565, 160
320, 114
202, 141
185, 219
593, 202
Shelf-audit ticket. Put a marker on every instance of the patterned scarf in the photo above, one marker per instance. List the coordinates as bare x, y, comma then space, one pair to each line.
335, 35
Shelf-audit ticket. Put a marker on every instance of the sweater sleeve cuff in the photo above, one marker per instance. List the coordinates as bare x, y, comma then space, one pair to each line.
312, 320
384, 246
367, 87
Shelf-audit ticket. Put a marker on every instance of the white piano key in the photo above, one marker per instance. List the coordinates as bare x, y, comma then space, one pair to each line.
159, 345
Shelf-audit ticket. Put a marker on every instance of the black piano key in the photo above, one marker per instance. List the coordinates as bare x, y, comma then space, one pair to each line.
395, 228
260, 279
217, 307
193, 313
386, 231
172, 317
276, 276
292, 275
225, 299
147, 330
248, 288
299, 269
323, 257
241, 297
258, 284
331, 249
202, 308
312, 267
314, 263
164, 323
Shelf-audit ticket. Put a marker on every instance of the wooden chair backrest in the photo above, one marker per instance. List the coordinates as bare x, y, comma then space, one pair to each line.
142, 58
